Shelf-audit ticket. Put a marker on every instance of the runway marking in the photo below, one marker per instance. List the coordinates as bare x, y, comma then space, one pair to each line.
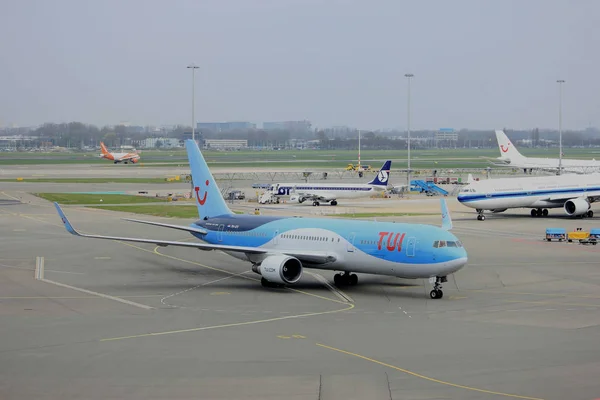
343, 296
427, 378
206, 328
101, 258
162, 301
19, 230
228, 272
291, 337
33, 269
39, 275
67, 297
12, 197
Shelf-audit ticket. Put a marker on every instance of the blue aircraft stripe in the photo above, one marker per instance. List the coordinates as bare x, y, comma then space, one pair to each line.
464, 198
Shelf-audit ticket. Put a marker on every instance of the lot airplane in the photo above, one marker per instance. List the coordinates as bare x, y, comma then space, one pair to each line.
119, 157
511, 157
280, 247
573, 192
331, 192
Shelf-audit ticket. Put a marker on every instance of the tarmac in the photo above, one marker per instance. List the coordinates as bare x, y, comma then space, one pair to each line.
94, 319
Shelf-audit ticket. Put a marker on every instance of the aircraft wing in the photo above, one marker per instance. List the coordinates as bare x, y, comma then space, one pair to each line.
317, 197
171, 226
592, 195
312, 257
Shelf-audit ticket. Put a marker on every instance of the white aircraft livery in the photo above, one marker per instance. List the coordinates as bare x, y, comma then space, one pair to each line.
279, 248
574, 193
119, 157
510, 156
331, 192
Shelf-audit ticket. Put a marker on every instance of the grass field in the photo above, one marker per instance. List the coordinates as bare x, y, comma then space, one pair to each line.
375, 215
92, 180
159, 210
81, 198
446, 158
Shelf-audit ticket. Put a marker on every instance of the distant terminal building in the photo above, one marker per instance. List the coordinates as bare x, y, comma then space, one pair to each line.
166, 143
290, 126
446, 135
224, 126
225, 144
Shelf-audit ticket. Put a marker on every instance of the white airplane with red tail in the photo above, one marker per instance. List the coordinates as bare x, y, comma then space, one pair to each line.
125, 158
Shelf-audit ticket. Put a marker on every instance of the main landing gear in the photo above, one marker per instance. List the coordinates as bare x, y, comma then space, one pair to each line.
480, 216
539, 212
316, 203
333, 202
345, 279
437, 293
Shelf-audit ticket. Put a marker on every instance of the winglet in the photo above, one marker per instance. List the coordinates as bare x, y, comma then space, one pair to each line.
446, 219
65, 221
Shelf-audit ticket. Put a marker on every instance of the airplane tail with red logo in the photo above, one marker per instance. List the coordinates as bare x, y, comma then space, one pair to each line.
206, 193
508, 151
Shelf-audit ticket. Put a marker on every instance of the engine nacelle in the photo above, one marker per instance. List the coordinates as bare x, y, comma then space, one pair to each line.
576, 207
296, 198
281, 269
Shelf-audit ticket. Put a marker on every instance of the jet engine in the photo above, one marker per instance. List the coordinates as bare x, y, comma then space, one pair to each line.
280, 269
296, 198
576, 207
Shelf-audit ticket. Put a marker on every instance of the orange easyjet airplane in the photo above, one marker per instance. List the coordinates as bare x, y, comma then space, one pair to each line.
119, 157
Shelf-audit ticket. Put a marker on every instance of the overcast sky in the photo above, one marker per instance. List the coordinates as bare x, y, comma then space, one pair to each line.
477, 64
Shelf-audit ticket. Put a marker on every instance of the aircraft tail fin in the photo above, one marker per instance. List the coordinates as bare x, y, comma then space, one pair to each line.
382, 177
208, 197
446, 219
470, 178
103, 148
507, 149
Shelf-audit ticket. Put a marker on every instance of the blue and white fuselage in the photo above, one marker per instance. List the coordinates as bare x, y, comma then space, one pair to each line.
401, 250
329, 192
573, 192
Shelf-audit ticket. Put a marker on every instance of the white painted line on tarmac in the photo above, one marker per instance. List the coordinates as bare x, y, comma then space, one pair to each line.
343, 296
39, 275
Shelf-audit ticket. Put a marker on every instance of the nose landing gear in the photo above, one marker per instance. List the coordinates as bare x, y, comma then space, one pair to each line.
437, 293
480, 216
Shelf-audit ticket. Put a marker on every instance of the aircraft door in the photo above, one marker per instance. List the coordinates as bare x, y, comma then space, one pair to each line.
410, 246
220, 233
276, 237
350, 245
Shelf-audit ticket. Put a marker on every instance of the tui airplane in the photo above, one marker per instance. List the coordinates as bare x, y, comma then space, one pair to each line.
279, 248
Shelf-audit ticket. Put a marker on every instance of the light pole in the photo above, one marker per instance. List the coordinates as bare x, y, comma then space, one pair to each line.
560, 152
193, 67
409, 76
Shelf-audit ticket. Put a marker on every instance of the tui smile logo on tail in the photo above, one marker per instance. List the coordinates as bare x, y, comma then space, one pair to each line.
203, 199
504, 148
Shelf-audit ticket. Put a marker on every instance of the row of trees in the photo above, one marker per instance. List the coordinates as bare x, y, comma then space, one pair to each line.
79, 135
